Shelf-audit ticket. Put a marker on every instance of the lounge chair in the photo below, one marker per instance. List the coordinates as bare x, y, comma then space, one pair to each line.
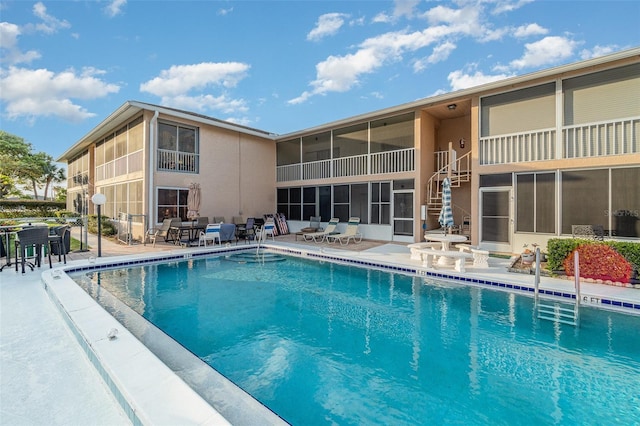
318, 237
351, 233
211, 233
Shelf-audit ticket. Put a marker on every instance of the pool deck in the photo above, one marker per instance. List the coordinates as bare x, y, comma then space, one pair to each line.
47, 378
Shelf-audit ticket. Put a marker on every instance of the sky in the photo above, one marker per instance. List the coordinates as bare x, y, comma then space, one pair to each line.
278, 66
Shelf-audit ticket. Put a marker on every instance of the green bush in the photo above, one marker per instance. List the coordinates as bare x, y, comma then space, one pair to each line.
108, 229
12, 209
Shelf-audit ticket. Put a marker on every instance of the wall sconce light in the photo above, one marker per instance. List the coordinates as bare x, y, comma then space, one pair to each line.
461, 142
452, 107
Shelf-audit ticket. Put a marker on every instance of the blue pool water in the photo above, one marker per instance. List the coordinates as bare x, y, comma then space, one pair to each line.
322, 343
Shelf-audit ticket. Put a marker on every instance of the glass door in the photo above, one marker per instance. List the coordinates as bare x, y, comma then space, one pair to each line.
403, 216
496, 223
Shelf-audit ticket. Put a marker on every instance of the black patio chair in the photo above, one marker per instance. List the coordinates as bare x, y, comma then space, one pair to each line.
58, 241
36, 237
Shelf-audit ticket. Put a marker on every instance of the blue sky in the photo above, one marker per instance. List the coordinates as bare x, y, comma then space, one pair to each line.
279, 66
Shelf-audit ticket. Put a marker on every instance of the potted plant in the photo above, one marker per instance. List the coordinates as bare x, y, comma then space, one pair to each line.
528, 256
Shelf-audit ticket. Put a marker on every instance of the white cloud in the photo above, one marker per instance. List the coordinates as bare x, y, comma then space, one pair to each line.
180, 79
599, 51
205, 102
502, 6
341, 73
460, 79
529, 30
50, 24
327, 25
401, 8
114, 7
440, 53
547, 51
404, 8
11, 54
225, 12
382, 18
40, 92
173, 86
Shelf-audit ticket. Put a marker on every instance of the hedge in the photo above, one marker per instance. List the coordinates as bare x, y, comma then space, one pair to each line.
15, 209
559, 248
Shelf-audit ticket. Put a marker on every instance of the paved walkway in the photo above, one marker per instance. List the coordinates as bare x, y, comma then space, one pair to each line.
45, 377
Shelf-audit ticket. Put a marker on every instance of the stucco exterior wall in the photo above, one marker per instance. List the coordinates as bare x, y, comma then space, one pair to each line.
236, 174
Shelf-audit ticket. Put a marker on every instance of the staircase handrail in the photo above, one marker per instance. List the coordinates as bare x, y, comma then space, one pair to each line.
447, 169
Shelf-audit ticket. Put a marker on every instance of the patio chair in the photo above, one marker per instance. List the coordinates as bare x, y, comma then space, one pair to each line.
211, 233
314, 225
59, 241
247, 231
318, 237
266, 230
202, 221
351, 233
163, 231
34, 238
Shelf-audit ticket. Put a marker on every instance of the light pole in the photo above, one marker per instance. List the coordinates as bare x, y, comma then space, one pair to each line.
99, 200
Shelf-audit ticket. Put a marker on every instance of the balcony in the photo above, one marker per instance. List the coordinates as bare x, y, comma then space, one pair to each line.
359, 165
175, 161
613, 137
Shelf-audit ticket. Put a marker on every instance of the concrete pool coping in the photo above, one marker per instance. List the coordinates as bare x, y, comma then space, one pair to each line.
175, 391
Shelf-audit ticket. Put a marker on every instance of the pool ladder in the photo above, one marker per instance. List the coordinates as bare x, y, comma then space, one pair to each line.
554, 311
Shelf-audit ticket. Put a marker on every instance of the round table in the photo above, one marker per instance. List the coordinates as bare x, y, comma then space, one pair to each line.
446, 240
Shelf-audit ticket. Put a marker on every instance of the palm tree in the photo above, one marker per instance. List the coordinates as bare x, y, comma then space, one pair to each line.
52, 174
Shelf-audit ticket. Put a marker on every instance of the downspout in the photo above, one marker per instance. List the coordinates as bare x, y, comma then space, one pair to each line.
152, 137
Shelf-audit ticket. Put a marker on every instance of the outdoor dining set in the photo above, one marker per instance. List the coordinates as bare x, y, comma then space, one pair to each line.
30, 242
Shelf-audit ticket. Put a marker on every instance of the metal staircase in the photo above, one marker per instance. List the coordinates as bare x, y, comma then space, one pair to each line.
562, 312
457, 169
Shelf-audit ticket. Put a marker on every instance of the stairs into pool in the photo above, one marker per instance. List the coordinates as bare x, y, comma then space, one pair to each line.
252, 256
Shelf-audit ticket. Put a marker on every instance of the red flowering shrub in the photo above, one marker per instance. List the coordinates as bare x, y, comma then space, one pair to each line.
599, 261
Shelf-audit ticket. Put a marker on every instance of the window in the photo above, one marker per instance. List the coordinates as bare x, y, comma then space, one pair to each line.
584, 198
341, 202
123, 198
309, 202
78, 171
625, 202
172, 203
177, 148
605, 95
288, 152
381, 203
360, 202
522, 110
536, 206
392, 133
316, 147
289, 202
351, 141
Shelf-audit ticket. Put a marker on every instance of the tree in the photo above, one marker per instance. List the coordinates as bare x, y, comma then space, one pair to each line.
19, 164
13, 153
52, 174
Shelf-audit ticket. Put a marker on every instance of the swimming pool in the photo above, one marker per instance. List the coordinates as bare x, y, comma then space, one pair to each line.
325, 343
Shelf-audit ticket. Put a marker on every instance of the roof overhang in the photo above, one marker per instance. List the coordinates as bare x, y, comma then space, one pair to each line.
131, 109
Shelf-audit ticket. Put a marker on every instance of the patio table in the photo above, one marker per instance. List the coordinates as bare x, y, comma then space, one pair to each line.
189, 229
445, 240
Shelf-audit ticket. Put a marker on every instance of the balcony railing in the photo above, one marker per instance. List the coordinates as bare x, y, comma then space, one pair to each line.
358, 165
613, 137
603, 138
175, 161
537, 145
